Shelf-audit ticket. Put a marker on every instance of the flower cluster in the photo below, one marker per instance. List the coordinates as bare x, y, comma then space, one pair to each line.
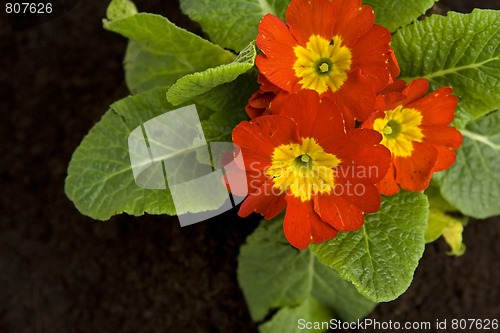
331, 127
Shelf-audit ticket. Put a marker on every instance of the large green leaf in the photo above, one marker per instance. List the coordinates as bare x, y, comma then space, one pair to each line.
381, 257
274, 275
458, 50
394, 14
192, 85
145, 70
100, 179
163, 52
472, 184
309, 313
229, 23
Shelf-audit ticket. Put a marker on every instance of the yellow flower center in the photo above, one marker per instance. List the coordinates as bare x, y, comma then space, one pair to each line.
400, 128
322, 64
304, 169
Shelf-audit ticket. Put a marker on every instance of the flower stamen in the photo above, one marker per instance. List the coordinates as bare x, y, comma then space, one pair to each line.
322, 64
324, 68
400, 128
304, 169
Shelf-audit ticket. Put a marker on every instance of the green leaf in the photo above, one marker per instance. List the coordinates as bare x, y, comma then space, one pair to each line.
188, 52
381, 257
232, 24
145, 70
288, 319
453, 237
119, 9
228, 101
407, 11
436, 200
100, 180
472, 184
274, 275
458, 50
451, 228
198, 83
444, 221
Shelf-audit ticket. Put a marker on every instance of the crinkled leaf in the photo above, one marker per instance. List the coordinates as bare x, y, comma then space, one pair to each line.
287, 319
100, 181
232, 24
407, 11
192, 85
472, 184
381, 257
461, 50
188, 53
274, 275
145, 70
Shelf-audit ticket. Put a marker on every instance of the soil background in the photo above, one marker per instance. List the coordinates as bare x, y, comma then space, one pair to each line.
62, 272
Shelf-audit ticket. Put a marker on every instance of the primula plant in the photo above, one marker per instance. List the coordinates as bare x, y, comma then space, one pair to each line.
365, 129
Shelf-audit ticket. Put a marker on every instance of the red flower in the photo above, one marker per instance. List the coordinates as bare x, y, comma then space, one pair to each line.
306, 162
331, 47
260, 101
416, 130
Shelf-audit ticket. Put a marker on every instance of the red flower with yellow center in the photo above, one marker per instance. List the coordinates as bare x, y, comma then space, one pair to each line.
417, 131
331, 47
303, 159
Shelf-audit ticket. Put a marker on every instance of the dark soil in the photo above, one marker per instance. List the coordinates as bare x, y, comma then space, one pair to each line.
61, 272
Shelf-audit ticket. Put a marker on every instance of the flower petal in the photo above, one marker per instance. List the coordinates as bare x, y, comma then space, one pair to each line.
312, 17
437, 108
393, 66
265, 201
397, 86
234, 178
362, 194
322, 231
266, 85
356, 98
259, 102
442, 136
388, 185
298, 220
444, 139
276, 42
416, 89
445, 158
316, 118
354, 20
338, 212
258, 138
414, 173
363, 158
371, 56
